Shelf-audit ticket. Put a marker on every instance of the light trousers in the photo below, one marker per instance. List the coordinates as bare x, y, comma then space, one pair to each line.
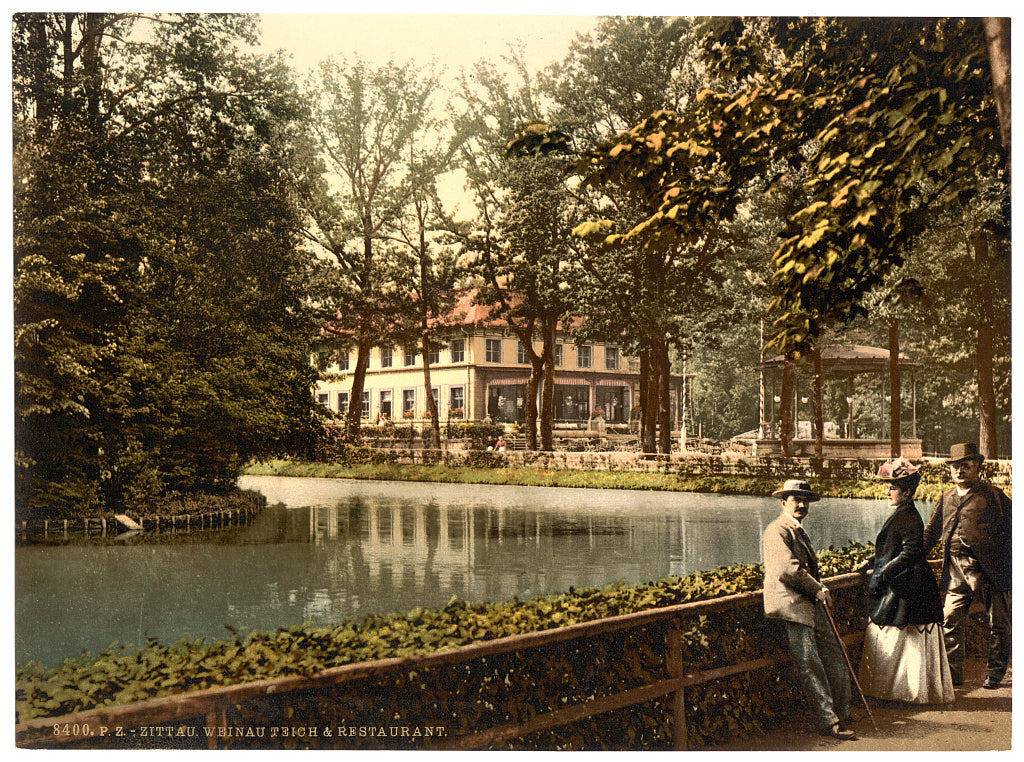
821, 670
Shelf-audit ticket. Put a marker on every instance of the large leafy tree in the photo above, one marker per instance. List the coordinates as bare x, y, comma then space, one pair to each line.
359, 183
161, 338
649, 292
877, 121
518, 243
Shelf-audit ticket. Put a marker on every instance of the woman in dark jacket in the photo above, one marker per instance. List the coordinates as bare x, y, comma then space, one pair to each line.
904, 657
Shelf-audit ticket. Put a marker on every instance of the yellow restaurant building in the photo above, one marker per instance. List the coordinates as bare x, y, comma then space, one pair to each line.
482, 373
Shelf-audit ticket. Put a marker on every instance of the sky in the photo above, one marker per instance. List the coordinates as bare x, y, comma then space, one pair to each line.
452, 40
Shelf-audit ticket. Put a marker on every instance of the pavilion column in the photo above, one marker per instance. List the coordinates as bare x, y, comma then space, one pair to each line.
913, 403
881, 410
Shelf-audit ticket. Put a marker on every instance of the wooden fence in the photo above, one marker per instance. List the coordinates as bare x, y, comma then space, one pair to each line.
102, 525
211, 718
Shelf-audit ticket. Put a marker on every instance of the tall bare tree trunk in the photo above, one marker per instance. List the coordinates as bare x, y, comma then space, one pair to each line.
895, 397
997, 36
986, 387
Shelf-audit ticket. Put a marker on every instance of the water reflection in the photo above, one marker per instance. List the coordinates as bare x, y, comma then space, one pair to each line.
329, 549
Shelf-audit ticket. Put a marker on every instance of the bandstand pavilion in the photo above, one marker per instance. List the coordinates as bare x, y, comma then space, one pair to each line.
840, 364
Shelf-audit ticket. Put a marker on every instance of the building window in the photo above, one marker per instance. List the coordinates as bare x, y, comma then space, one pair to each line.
457, 349
384, 409
521, 356
493, 350
457, 401
408, 403
611, 358
410, 358
435, 356
342, 402
558, 354
614, 403
324, 399
583, 356
366, 405
505, 402
572, 402
343, 360
385, 357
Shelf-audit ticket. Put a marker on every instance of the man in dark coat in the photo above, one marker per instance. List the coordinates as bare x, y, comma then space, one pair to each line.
794, 593
973, 522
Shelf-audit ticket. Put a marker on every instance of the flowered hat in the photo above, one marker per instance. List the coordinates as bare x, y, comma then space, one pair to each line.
901, 471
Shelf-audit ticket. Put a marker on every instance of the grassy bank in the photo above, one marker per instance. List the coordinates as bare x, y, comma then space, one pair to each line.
727, 484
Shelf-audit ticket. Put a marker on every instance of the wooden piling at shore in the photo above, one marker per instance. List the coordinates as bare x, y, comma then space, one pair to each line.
92, 525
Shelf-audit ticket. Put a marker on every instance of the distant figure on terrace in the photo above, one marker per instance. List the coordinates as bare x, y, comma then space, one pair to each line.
973, 522
794, 593
904, 658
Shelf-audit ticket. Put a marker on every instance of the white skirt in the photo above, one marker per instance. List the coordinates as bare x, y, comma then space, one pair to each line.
906, 664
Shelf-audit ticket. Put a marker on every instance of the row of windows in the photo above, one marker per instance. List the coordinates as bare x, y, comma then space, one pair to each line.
492, 354
584, 355
385, 402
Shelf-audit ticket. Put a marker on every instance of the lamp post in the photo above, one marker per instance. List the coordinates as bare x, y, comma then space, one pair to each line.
849, 420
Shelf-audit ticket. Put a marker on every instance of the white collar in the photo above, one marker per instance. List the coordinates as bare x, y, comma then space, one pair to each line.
793, 520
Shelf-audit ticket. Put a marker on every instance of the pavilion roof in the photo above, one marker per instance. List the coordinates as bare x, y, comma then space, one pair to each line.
851, 358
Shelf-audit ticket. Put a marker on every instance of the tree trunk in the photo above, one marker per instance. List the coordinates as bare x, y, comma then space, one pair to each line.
786, 406
534, 382
648, 402
435, 423
997, 36
547, 395
40, 57
895, 401
424, 259
92, 77
819, 418
986, 387
354, 418
664, 400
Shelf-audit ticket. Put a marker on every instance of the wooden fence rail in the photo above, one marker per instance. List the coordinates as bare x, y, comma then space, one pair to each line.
212, 703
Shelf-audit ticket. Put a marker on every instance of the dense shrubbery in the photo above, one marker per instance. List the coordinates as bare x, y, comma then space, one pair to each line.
194, 505
118, 676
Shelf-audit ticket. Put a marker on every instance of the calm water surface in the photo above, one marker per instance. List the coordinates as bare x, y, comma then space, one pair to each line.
330, 549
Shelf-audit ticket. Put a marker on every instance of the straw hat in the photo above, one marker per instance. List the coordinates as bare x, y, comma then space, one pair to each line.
796, 487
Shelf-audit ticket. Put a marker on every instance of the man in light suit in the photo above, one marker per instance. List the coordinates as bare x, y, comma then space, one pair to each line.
793, 592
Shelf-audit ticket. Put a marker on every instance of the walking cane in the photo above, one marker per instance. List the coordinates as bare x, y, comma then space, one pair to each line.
849, 666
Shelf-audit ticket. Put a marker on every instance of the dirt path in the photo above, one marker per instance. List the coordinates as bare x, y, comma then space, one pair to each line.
977, 720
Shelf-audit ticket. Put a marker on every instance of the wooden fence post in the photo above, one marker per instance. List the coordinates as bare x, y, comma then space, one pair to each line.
674, 667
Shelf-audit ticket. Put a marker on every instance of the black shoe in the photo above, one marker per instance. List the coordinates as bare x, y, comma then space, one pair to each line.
837, 731
991, 683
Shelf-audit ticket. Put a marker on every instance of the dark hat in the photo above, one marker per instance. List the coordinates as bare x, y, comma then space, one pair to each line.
900, 471
796, 487
964, 451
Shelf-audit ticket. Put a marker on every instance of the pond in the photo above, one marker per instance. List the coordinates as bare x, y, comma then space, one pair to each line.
328, 549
